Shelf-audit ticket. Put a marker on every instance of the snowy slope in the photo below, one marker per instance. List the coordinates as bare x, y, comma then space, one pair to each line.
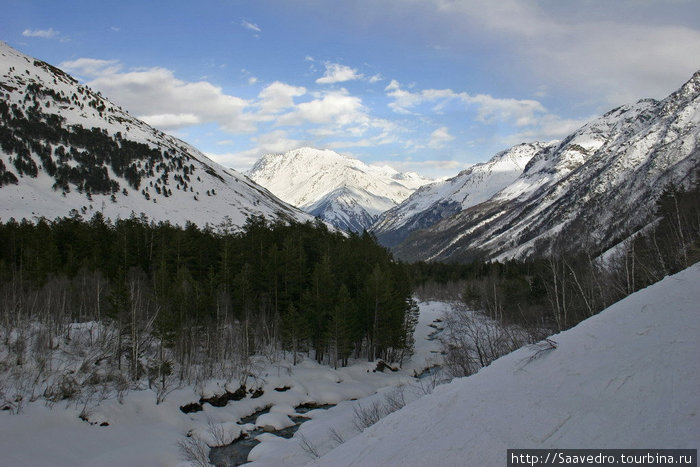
197, 189
626, 378
442, 199
597, 186
340, 189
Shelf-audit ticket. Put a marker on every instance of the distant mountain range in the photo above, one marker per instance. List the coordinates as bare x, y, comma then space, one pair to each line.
65, 149
341, 190
588, 192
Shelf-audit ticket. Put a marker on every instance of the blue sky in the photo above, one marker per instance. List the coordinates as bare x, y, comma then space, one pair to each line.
430, 86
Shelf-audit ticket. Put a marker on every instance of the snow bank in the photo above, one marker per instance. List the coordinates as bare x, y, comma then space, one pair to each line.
626, 378
277, 421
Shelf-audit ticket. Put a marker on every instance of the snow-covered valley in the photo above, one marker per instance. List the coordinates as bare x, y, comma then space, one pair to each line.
141, 432
627, 377
202, 318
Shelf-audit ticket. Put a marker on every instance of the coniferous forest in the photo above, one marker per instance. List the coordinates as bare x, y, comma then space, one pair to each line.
187, 304
168, 305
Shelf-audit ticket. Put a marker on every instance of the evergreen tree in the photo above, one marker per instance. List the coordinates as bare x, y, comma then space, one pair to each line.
340, 328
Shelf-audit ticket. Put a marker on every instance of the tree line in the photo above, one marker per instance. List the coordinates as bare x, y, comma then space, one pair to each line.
190, 303
557, 291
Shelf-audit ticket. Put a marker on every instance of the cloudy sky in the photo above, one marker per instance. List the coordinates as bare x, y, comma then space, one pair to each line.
425, 85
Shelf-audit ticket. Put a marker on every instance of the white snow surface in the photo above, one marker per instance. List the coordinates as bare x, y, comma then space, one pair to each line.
339, 187
625, 378
235, 198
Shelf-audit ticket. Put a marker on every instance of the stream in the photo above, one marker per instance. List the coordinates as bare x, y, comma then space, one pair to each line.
236, 453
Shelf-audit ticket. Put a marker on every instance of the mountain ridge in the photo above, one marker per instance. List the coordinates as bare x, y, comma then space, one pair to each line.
68, 150
440, 200
591, 190
340, 189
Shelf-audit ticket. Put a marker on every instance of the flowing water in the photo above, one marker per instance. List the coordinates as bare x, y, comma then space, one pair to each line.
237, 452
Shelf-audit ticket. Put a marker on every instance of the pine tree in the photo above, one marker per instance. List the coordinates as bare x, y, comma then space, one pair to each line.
340, 328
295, 331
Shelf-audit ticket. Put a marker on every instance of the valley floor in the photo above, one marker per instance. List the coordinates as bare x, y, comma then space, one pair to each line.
139, 432
625, 378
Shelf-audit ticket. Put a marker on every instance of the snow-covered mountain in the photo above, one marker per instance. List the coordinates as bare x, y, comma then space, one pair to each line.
434, 202
342, 190
65, 148
595, 188
625, 377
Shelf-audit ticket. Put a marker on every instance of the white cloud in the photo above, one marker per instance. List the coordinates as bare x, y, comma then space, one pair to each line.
434, 168
531, 119
360, 143
403, 100
439, 137
156, 95
520, 112
337, 73
335, 107
240, 161
275, 142
548, 127
250, 26
278, 96
250, 78
91, 67
617, 52
43, 33
371, 132
171, 121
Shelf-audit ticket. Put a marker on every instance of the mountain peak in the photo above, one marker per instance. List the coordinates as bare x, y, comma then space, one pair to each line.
689, 90
311, 179
432, 203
